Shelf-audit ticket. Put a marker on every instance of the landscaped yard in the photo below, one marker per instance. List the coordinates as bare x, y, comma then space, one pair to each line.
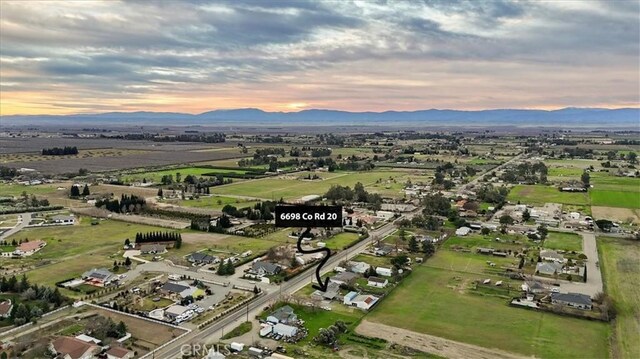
564, 241
435, 301
541, 194
341, 240
620, 265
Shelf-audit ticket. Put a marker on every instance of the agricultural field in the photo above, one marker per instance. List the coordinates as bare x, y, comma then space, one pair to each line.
11, 189
622, 215
291, 187
620, 265
563, 241
541, 194
92, 153
623, 199
439, 302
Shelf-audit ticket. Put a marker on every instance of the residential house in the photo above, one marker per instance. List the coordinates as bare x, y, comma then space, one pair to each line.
155, 248
117, 352
463, 231
100, 277
481, 250
285, 330
535, 287
385, 215
361, 301
261, 268
575, 300
5, 308
343, 278
359, 267
29, 248
202, 258
63, 219
284, 315
333, 290
174, 290
383, 250
549, 268
72, 348
89, 339
551, 255
377, 282
175, 311
398, 207
385, 272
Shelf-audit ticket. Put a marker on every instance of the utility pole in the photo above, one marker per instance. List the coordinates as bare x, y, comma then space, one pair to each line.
247, 311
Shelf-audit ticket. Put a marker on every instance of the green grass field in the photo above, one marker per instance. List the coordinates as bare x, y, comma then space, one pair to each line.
293, 188
217, 202
607, 198
564, 241
341, 240
10, 189
434, 301
620, 265
540, 194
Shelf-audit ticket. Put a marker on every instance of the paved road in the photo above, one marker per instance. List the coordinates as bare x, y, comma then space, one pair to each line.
212, 333
474, 181
23, 221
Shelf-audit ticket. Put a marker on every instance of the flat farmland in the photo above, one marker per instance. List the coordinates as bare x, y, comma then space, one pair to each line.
564, 241
290, 187
624, 215
607, 198
217, 202
540, 194
91, 153
11, 189
438, 302
151, 158
620, 265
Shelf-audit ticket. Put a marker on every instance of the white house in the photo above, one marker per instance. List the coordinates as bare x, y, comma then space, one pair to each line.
362, 301
359, 267
385, 272
463, 231
285, 330
551, 256
377, 282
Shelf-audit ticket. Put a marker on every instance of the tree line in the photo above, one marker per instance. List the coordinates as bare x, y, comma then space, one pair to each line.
60, 151
126, 204
44, 299
357, 194
74, 192
152, 237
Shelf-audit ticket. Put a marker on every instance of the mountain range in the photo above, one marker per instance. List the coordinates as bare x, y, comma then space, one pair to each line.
566, 117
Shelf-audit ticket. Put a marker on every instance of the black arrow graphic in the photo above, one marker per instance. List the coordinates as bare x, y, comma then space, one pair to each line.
320, 286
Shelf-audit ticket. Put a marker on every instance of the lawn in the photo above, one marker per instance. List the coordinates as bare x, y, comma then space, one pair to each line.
564, 241
10, 189
239, 330
620, 265
217, 202
341, 240
541, 194
606, 198
434, 301
291, 187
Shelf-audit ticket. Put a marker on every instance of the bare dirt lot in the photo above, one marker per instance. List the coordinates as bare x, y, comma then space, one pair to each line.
429, 343
624, 215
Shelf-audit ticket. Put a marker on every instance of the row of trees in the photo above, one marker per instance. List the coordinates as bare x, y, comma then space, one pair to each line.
261, 211
211, 137
60, 151
357, 194
126, 204
75, 192
226, 268
152, 237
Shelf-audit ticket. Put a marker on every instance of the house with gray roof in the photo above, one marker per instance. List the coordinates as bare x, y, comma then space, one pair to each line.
284, 315
551, 256
346, 278
261, 268
549, 268
155, 248
99, 277
575, 300
202, 258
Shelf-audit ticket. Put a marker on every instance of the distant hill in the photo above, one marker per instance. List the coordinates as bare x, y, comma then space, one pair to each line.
567, 117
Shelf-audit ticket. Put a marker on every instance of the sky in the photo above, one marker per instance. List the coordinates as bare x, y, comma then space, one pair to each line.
195, 56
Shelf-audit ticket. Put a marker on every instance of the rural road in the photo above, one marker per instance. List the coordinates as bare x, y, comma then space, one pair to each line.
23, 221
212, 333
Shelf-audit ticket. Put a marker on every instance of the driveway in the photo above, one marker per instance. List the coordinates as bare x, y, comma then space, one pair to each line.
23, 221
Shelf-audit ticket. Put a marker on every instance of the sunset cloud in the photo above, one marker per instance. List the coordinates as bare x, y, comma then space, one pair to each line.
86, 56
